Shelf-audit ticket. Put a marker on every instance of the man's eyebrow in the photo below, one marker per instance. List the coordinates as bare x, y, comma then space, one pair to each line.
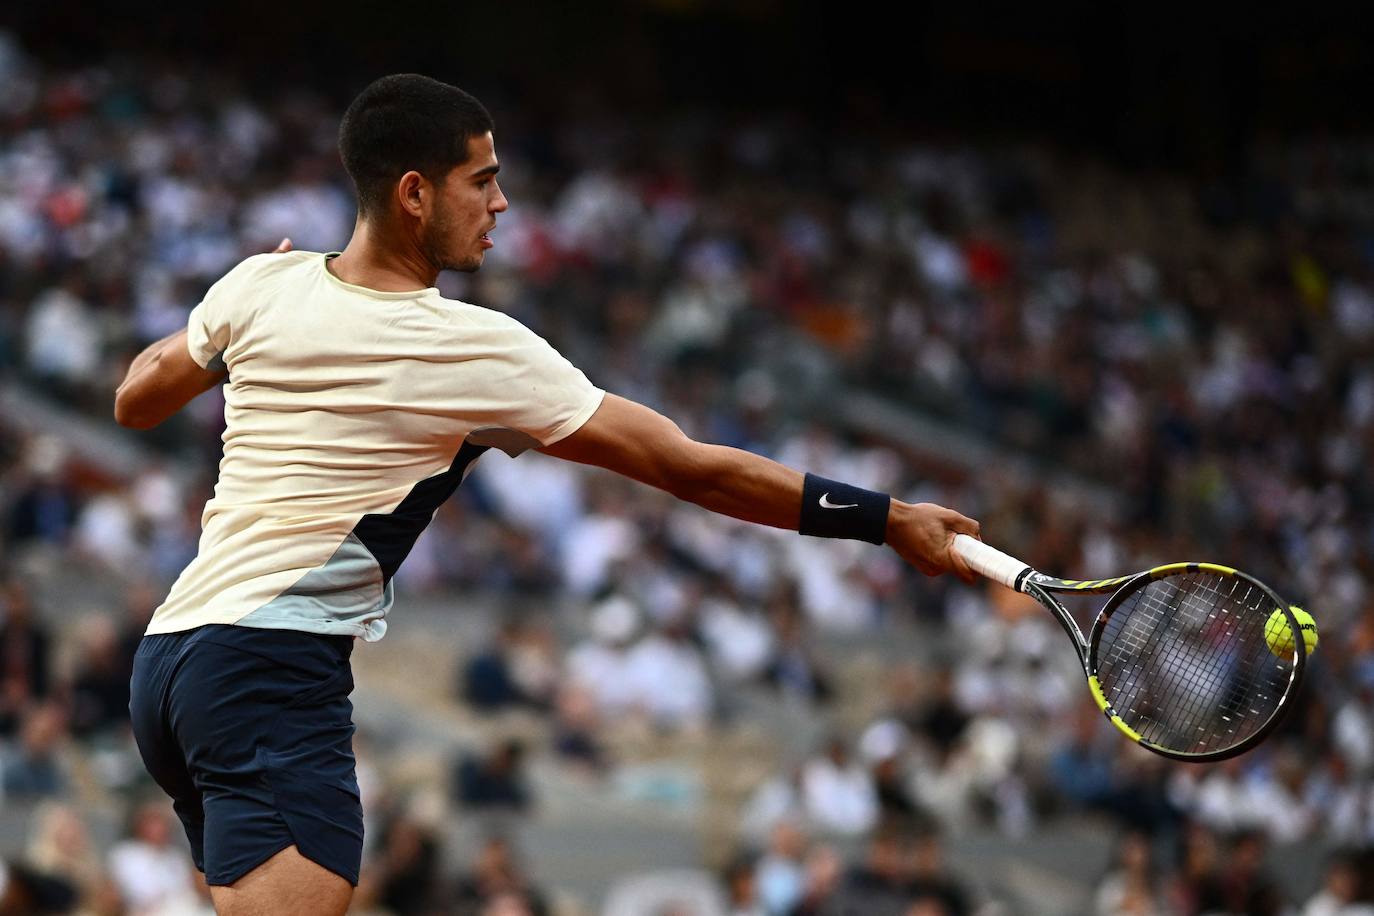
489, 170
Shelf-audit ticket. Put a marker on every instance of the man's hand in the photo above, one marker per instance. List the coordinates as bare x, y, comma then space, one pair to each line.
923, 535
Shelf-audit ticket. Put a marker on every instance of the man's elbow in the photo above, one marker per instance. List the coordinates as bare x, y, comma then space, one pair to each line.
133, 420
129, 413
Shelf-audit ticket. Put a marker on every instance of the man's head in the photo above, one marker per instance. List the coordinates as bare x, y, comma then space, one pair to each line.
421, 158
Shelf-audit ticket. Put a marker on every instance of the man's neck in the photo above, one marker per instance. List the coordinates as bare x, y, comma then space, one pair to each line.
387, 268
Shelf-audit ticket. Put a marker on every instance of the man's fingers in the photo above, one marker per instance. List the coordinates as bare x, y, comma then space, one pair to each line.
962, 524
282, 247
933, 552
959, 567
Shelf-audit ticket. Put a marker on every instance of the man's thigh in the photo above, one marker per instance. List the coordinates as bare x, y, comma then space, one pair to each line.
265, 723
287, 884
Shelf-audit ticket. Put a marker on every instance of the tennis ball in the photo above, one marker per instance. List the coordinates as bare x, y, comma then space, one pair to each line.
1279, 637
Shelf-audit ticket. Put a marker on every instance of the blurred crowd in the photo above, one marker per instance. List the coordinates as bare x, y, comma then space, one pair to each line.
1200, 344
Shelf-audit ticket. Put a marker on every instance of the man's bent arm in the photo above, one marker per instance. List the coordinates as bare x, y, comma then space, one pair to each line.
638, 442
160, 381
164, 378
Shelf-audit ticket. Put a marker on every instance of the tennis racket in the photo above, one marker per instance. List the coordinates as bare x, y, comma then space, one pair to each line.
1177, 659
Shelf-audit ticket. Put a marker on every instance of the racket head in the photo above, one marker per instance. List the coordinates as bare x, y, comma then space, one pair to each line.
1178, 661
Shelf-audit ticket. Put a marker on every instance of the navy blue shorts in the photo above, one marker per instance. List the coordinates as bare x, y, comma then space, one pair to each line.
251, 733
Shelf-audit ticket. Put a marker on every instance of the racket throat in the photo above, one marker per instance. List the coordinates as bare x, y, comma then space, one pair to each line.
1020, 585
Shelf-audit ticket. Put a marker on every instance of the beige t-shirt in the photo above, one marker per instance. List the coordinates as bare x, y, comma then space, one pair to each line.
351, 415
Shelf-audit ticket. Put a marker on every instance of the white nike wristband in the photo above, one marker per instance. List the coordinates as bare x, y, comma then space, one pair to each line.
831, 509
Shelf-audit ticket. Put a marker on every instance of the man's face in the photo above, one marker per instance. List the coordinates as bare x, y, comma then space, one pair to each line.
468, 199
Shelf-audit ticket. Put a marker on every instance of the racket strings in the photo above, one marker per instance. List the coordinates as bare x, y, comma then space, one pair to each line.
1183, 661
1210, 687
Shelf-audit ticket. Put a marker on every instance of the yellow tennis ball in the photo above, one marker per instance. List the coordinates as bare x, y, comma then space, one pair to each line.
1279, 637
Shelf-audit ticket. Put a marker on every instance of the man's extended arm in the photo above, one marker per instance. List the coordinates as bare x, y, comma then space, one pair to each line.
638, 442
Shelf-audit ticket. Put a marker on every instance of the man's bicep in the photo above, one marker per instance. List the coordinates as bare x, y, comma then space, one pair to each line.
632, 440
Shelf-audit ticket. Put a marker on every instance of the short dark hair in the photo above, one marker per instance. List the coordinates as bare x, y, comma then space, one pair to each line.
402, 122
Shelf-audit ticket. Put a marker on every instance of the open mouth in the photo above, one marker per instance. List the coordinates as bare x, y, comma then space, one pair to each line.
486, 238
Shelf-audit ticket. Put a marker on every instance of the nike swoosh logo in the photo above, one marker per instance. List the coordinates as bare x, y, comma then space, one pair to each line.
827, 504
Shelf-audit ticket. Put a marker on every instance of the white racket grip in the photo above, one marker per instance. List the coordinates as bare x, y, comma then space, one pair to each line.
989, 562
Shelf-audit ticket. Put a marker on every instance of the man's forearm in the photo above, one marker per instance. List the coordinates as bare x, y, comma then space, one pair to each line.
151, 351
743, 485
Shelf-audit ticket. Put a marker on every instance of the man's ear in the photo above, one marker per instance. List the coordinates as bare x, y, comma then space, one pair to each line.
411, 191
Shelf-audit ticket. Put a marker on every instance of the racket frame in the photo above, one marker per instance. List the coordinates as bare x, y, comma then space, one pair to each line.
1000, 567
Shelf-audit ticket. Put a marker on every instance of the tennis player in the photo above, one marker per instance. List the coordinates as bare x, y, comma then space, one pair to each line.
358, 399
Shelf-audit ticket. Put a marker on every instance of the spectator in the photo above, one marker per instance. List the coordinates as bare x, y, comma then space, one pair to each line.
780, 874
824, 877
536, 666
929, 879
575, 729
1081, 768
497, 883
494, 782
1353, 728
838, 792
25, 891
741, 889
61, 845
35, 768
879, 884
64, 341
793, 667
1130, 887
404, 877
778, 799
670, 680
882, 746
100, 687
24, 648
738, 637
1349, 804
150, 867
602, 664
1340, 891
1196, 884
45, 508
940, 719
1245, 886
488, 681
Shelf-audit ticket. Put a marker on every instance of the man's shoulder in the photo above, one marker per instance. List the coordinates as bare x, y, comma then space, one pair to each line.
481, 314
492, 320
258, 267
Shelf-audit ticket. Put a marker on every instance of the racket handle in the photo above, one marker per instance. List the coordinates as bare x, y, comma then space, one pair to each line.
989, 562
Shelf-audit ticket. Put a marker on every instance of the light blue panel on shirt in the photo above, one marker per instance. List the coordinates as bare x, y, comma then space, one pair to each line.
344, 597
